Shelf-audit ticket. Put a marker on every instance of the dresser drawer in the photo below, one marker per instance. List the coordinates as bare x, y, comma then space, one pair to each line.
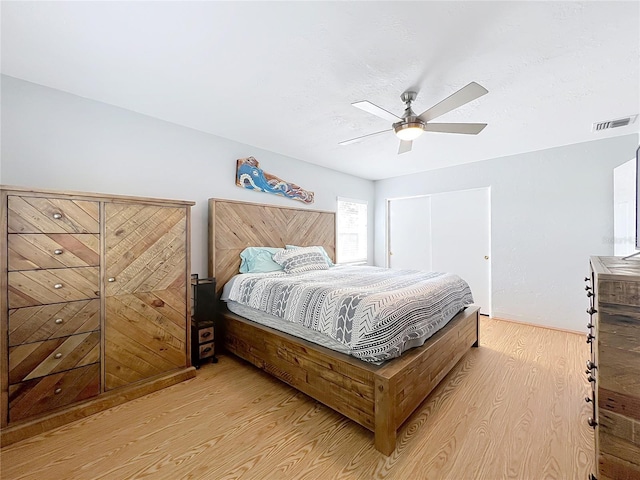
206, 350
53, 250
205, 335
40, 287
43, 394
32, 360
52, 215
36, 324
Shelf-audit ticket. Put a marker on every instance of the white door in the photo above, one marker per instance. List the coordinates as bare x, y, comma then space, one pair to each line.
459, 238
409, 233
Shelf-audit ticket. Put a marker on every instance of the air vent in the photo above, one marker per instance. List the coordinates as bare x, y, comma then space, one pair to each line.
620, 122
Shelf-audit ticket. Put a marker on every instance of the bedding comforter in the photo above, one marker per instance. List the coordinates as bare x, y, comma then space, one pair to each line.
377, 313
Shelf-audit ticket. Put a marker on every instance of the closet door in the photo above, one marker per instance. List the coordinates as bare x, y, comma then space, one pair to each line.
146, 291
445, 232
409, 235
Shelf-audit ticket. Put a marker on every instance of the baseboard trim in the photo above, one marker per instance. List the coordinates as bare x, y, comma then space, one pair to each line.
28, 428
530, 324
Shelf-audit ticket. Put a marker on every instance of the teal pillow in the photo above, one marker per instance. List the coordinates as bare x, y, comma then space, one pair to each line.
320, 249
259, 260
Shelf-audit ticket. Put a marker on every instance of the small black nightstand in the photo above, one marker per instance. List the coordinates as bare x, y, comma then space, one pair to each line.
203, 320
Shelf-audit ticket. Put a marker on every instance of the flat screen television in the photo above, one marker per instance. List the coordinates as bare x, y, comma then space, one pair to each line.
637, 242
638, 199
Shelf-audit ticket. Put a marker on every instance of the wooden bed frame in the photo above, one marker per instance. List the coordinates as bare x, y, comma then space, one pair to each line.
380, 398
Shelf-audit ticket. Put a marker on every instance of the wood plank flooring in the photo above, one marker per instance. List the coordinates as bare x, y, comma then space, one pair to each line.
513, 408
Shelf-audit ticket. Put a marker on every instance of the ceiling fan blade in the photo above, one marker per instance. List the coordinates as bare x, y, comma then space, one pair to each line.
357, 139
405, 146
453, 101
376, 110
467, 128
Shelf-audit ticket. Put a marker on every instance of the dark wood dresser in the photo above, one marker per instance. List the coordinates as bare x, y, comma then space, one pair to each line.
613, 370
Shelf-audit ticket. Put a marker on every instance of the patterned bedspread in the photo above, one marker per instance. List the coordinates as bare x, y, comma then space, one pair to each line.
378, 313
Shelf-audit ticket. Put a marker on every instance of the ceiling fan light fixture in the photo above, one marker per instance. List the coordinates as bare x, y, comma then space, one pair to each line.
408, 130
410, 126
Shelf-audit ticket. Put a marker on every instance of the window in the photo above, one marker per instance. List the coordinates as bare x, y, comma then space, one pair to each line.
351, 227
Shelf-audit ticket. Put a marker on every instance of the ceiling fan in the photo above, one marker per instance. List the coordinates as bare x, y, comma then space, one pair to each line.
410, 126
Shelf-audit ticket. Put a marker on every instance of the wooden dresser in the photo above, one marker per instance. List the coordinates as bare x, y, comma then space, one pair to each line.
94, 304
614, 368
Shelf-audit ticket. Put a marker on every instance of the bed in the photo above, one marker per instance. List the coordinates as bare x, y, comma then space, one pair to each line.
378, 397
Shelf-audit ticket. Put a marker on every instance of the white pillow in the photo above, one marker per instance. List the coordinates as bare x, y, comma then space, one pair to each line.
301, 260
317, 247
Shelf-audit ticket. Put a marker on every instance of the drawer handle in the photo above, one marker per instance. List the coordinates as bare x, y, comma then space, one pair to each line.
57, 391
57, 355
111, 279
590, 338
589, 325
58, 321
587, 288
58, 251
58, 286
57, 216
591, 311
590, 365
588, 399
592, 422
590, 294
205, 334
590, 379
206, 350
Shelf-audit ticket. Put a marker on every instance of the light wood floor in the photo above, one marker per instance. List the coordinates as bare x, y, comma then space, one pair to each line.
513, 408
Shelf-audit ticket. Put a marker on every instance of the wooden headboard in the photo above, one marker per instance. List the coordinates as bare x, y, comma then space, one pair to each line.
235, 225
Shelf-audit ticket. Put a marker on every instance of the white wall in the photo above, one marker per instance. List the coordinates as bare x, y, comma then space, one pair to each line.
55, 140
550, 211
624, 208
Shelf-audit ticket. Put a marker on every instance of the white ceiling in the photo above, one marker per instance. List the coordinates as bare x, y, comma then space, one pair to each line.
282, 75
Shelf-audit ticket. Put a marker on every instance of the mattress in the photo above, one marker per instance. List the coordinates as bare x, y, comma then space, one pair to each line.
374, 313
291, 328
